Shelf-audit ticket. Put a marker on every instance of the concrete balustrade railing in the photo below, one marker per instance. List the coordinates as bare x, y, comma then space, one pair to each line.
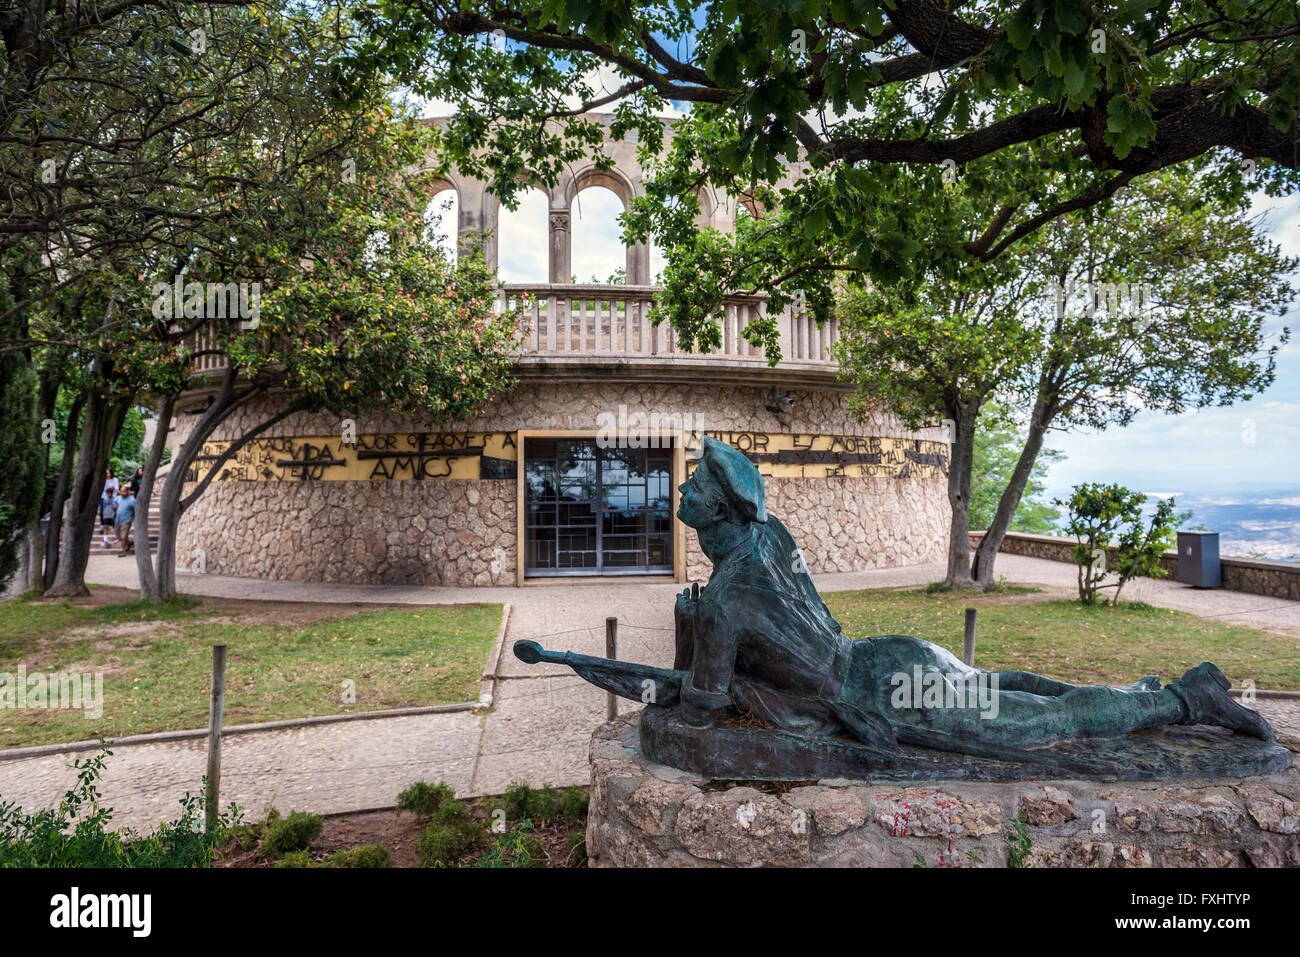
606, 320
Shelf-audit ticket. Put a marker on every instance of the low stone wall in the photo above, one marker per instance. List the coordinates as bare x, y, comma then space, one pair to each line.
647, 815
448, 532
1262, 577
1257, 576
849, 524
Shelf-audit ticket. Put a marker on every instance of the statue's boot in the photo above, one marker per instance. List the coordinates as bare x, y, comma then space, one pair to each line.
1204, 690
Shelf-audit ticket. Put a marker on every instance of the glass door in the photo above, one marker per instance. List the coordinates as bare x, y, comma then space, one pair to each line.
594, 511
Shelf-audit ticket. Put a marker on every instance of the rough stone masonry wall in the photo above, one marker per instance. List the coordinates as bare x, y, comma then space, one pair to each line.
647, 815
442, 532
848, 524
1278, 579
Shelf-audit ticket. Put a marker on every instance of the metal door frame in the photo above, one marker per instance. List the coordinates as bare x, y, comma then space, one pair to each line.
600, 571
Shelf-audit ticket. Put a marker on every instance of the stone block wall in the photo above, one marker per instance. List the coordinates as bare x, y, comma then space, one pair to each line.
850, 524
644, 814
392, 533
463, 532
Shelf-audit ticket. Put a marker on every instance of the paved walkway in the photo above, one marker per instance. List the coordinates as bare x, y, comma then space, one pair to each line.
542, 716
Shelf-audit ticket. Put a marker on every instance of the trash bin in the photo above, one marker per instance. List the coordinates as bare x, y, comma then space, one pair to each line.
1198, 559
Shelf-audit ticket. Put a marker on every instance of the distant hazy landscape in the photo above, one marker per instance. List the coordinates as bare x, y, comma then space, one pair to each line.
1262, 521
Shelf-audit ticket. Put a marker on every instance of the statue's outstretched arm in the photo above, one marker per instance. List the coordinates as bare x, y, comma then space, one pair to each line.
706, 692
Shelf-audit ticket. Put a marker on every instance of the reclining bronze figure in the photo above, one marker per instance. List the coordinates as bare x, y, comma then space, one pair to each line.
758, 643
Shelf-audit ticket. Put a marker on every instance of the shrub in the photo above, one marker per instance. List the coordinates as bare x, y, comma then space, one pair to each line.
424, 798
573, 804
444, 845
297, 859
1106, 516
246, 836
516, 800
545, 804
292, 833
371, 855
77, 832
453, 813
519, 848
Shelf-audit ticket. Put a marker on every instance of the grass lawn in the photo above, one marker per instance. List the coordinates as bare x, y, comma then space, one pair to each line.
1063, 639
285, 660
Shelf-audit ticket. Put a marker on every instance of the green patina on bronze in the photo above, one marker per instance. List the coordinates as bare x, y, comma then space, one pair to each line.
757, 642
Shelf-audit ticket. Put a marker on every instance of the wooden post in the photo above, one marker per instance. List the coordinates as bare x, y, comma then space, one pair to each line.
968, 639
216, 711
611, 651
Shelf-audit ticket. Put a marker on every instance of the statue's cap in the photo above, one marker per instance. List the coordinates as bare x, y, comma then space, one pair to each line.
738, 477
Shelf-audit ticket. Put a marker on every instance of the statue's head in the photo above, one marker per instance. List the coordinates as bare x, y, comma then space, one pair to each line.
725, 487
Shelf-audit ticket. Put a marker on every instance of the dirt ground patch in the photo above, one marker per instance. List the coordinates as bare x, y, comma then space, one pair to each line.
400, 833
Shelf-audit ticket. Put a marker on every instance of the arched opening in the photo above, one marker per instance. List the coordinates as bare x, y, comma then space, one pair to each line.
442, 220
522, 240
598, 251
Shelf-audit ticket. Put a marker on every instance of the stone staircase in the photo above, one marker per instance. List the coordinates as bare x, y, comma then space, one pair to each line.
97, 547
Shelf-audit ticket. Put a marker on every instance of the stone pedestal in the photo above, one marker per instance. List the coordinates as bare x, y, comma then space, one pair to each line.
645, 814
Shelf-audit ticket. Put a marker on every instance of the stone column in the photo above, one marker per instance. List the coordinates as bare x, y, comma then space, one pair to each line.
561, 264
638, 265
478, 217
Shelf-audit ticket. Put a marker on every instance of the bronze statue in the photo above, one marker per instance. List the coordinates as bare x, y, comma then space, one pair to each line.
758, 641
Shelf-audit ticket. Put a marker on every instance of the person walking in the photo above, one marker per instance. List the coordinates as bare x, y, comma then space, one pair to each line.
107, 506
123, 518
137, 480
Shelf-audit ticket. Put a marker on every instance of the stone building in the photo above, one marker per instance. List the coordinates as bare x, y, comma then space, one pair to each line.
575, 472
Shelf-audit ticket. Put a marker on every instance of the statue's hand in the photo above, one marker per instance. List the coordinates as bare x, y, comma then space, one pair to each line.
684, 628
687, 601
685, 608
702, 709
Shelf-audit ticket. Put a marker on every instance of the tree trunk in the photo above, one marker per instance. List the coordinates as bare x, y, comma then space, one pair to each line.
144, 561
986, 554
53, 539
103, 422
28, 577
959, 481
172, 503
170, 507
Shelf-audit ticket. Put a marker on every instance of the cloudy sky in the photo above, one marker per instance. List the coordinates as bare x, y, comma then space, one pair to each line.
1252, 445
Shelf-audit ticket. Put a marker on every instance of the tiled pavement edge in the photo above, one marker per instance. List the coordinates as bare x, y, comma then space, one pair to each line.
540, 719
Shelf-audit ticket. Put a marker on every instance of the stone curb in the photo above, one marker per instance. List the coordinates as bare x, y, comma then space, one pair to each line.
158, 737
494, 659
1281, 695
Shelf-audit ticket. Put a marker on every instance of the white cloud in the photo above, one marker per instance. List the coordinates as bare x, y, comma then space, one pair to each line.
523, 253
